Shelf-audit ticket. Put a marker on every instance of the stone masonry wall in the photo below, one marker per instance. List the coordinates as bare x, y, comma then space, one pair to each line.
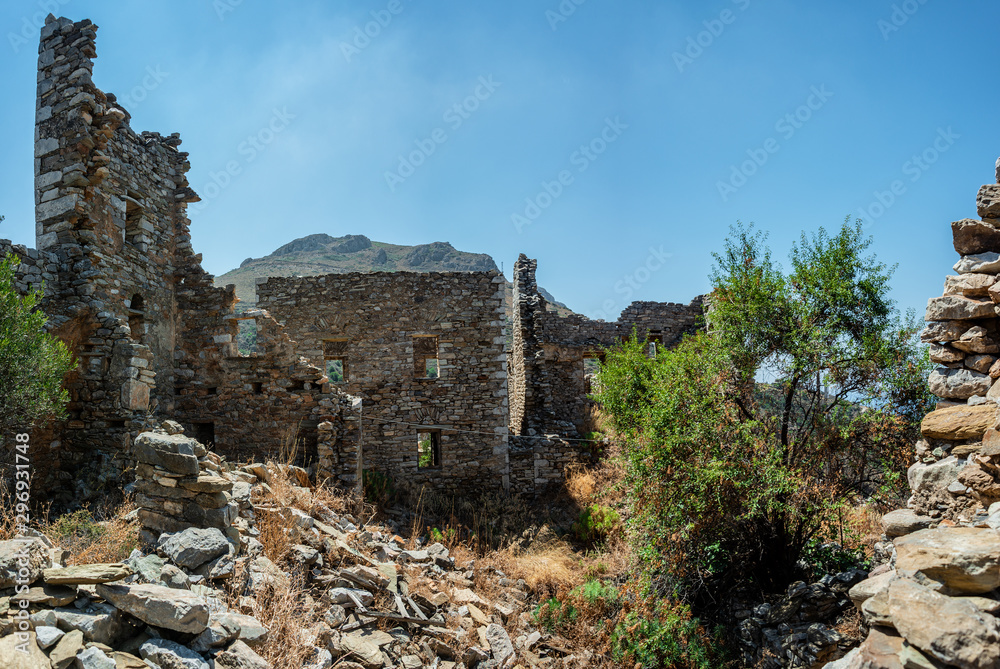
127, 293
381, 327
549, 386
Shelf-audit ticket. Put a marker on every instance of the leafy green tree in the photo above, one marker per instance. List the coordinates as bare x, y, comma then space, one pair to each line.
732, 478
33, 363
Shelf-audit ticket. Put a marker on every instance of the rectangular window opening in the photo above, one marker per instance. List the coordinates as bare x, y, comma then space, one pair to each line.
257, 387
426, 363
336, 370
591, 366
204, 433
428, 449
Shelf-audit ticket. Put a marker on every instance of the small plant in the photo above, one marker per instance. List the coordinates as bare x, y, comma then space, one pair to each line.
75, 527
596, 523
663, 635
379, 488
596, 593
553, 615
448, 536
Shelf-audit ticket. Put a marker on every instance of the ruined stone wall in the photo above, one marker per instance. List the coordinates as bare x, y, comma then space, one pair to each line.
549, 387
380, 326
128, 294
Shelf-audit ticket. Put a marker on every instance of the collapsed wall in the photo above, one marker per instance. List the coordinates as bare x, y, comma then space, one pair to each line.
944, 547
127, 293
425, 352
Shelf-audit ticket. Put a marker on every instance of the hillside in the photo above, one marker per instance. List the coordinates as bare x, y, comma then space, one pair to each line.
323, 254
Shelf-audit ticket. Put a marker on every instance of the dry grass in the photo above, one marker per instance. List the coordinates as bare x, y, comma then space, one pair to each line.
95, 536
547, 570
291, 617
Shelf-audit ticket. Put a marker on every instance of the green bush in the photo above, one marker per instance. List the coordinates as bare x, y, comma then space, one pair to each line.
596, 593
33, 363
730, 479
379, 488
553, 615
75, 526
596, 523
663, 636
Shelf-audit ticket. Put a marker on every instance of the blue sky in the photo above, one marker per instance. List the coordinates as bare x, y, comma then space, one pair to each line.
610, 140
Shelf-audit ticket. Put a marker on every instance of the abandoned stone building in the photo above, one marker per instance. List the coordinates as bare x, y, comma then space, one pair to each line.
403, 373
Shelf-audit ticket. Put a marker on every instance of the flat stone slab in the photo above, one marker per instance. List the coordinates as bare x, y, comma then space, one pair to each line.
194, 546
160, 606
904, 521
965, 559
87, 574
959, 423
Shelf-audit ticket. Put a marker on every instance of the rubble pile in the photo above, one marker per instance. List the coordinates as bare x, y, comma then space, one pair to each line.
189, 596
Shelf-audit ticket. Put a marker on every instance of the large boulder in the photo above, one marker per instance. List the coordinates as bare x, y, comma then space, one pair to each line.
970, 285
958, 384
16, 554
173, 452
964, 559
960, 422
950, 630
927, 477
988, 201
958, 307
943, 331
194, 546
160, 606
868, 588
99, 622
971, 237
904, 521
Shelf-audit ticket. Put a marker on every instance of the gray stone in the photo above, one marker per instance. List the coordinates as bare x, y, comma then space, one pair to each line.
64, 654
172, 655
31, 552
179, 610
100, 623
500, 643
960, 384
48, 636
927, 477
175, 453
904, 521
241, 656
87, 574
980, 263
94, 658
194, 546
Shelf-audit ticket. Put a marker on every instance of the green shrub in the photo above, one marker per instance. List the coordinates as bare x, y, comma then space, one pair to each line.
596, 523
553, 615
379, 488
76, 526
596, 593
663, 636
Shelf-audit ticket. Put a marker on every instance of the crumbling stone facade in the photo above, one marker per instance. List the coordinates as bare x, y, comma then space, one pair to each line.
425, 351
418, 361
127, 293
548, 382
